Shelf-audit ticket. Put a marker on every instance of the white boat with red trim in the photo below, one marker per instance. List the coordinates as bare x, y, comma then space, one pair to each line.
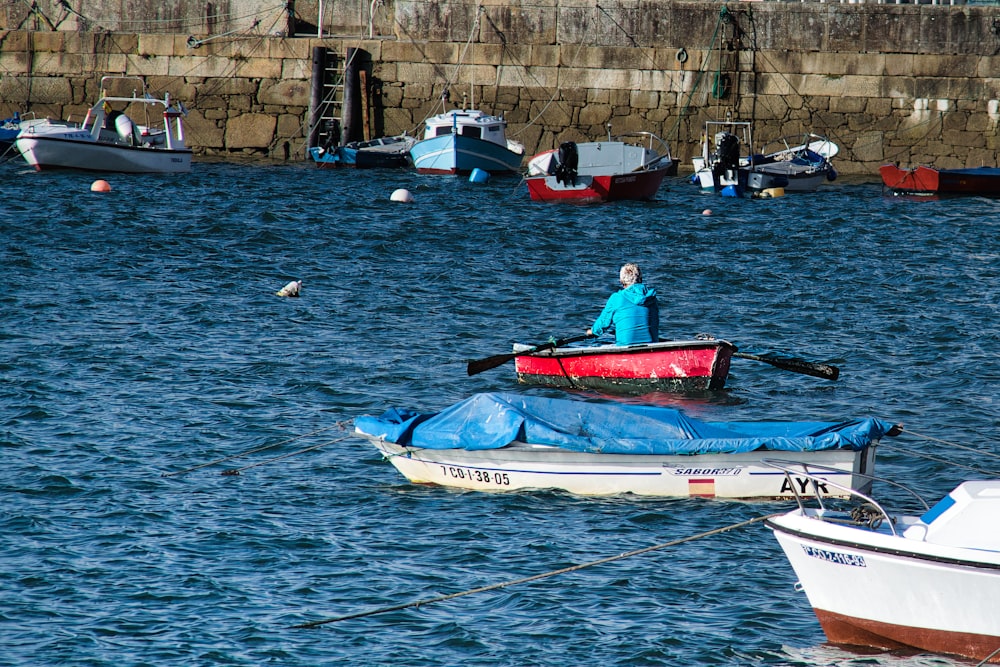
518, 442
626, 167
927, 582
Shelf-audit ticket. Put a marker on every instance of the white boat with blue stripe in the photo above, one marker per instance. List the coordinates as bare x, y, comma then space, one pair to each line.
458, 141
519, 442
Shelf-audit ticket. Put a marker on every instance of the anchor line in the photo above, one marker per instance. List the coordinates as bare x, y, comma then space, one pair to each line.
938, 459
237, 471
950, 444
340, 424
536, 577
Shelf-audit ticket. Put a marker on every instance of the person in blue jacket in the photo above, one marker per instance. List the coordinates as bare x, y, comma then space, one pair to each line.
632, 312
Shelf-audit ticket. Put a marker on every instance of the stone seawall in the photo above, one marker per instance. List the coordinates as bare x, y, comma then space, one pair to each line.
907, 83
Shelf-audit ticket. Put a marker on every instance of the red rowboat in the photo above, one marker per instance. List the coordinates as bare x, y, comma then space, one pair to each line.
928, 180
685, 365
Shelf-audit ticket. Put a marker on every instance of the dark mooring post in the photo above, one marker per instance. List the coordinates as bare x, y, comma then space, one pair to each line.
316, 97
351, 128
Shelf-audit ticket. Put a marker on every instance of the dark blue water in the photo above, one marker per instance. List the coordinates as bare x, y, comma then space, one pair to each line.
141, 335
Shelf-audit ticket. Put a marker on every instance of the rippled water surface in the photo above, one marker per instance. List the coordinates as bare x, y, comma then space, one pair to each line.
141, 337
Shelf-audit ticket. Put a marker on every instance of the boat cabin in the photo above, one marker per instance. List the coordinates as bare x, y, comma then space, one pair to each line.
468, 123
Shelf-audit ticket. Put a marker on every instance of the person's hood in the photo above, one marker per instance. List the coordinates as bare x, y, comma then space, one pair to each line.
639, 294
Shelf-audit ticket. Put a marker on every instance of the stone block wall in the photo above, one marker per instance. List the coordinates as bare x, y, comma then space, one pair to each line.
907, 83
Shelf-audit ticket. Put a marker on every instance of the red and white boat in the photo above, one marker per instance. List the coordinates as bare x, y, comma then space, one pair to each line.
675, 366
887, 581
930, 181
601, 171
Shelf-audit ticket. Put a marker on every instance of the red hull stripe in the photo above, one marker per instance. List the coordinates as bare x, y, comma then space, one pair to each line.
851, 631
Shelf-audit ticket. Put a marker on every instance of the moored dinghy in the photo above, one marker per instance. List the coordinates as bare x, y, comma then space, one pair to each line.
923, 180
383, 152
806, 164
513, 442
601, 171
890, 581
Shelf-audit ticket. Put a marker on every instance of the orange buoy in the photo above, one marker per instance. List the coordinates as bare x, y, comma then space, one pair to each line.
100, 185
707, 211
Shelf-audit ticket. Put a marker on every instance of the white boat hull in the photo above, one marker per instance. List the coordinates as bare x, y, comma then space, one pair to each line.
69, 152
875, 589
108, 140
520, 467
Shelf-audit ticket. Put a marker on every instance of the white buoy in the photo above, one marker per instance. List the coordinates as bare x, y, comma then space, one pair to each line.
291, 289
402, 195
707, 211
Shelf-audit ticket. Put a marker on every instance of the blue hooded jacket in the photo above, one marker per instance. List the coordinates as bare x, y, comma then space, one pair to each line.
633, 314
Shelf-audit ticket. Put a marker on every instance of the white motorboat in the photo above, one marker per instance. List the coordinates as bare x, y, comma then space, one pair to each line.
109, 140
720, 166
806, 162
874, 579
624, 167
516, 442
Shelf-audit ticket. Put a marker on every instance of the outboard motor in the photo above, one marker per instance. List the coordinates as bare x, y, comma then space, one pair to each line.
568, 161
727, 150
726, 159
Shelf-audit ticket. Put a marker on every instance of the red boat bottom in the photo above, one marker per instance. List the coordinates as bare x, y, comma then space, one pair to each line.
851, 631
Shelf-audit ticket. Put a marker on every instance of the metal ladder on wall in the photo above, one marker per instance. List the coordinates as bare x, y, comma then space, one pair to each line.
331, 107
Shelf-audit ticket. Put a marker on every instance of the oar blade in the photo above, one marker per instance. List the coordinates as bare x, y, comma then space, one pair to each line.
824, 371
477, 366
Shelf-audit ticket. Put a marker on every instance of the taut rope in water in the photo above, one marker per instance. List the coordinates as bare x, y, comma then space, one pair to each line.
573, 568
237, 471
950, 444
987, 658
340, 424
938, 459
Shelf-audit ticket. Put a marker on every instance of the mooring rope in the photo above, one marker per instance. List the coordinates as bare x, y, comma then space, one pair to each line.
535, 577
950, 444
938, 459
237, 471
988, 658
340, 424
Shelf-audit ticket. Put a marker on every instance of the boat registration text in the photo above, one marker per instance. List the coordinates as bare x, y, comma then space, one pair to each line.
475, 475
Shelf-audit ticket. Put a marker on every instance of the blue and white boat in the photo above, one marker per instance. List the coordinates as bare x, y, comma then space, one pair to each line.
458, 141
517, 442
384, 152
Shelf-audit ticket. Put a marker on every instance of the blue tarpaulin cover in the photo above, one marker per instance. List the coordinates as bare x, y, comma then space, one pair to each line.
493, 420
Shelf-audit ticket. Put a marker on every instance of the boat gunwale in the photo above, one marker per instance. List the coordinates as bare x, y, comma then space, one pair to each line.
626, 349
889, 551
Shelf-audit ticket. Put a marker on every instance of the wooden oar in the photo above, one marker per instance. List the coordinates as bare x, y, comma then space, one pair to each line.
824, 371
480, 365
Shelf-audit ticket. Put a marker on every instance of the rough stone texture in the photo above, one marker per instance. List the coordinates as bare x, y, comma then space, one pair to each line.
914, 83
246, 130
